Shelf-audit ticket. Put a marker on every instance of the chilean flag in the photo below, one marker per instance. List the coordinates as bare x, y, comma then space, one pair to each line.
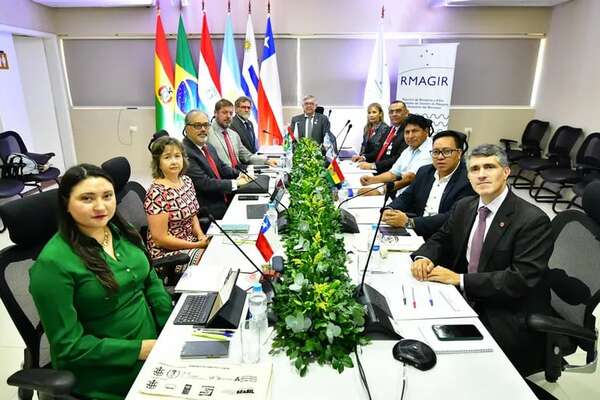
270, 112
262, 241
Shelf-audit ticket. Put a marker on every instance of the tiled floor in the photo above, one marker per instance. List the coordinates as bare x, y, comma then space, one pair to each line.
570, 386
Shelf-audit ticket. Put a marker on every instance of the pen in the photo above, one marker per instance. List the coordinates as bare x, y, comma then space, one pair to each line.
430, 298
413, 296
210, 336
216, 330
403, 295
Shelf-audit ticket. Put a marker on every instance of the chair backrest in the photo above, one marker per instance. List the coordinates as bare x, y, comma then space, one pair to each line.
574, 271
534, 133
31, 222
589, 152
562, 143
11, 142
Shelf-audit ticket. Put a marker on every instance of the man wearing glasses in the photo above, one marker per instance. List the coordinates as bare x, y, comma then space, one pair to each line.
425, 204
213, 180
242, 124
310, 124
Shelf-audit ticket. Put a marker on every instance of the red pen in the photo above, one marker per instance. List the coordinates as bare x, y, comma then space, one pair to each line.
413, 295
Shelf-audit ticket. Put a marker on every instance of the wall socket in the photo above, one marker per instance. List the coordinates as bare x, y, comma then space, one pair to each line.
468, 132
133, 129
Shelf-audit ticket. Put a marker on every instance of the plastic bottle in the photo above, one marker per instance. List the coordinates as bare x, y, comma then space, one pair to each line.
272, 216
257, 304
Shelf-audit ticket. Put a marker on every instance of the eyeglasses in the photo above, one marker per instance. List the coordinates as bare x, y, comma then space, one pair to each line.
245, 107
199, 126
396, 111
443, 152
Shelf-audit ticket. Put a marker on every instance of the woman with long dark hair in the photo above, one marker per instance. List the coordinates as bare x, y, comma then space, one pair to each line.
100, 302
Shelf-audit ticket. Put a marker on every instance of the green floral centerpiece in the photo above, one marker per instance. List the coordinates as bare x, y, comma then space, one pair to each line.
319, 318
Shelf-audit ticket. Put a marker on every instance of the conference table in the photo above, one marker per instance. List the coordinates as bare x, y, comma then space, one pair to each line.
464, 369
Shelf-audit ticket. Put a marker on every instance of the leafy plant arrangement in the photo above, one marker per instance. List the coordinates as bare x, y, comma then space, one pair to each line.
319, 318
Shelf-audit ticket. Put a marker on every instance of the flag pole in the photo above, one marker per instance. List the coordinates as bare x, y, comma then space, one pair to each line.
249, 7
269, 7
228, 6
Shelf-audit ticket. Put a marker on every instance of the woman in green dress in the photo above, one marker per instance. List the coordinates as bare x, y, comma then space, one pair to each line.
100, 303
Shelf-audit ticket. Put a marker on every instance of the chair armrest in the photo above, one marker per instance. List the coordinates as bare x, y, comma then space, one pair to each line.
547, 324
508, 141
171, 261
50, 381
586, 167
41, 158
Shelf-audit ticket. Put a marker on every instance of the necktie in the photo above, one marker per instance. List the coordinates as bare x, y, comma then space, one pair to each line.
250, 131
230, 152
211, 162
477, 243
309, 127
387, 142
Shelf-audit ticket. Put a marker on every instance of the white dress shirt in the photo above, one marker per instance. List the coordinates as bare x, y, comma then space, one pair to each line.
411, 160
432, 207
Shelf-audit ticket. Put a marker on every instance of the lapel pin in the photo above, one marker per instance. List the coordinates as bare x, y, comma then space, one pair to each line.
501, 224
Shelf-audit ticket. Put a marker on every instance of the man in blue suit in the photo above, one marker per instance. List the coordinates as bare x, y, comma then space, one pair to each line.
425, 205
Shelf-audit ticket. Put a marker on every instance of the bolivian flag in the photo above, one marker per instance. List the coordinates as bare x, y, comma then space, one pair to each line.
164, 93
186, 84
335, 173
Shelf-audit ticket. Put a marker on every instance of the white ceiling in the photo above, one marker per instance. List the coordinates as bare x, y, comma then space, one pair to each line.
496, 3
96, 3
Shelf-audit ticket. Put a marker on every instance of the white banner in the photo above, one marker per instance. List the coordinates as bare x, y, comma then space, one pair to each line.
425, 78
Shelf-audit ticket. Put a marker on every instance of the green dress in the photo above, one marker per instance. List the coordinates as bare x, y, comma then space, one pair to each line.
92, 333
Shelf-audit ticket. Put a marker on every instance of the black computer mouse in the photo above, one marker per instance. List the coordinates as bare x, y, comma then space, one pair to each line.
415, 353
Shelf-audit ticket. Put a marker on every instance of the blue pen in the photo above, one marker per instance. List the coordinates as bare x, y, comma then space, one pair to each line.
430, 298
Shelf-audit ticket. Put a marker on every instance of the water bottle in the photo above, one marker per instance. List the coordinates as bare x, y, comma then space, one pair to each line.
289, 155
344, 192
272, 216
257, 304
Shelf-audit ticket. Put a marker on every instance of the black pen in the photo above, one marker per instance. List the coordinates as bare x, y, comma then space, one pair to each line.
430, 298
403, 294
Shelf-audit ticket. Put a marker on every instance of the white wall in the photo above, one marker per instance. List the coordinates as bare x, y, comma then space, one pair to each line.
570, 84
37, 91
13, 109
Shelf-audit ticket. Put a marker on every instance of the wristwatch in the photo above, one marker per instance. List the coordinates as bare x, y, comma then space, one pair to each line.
410, 224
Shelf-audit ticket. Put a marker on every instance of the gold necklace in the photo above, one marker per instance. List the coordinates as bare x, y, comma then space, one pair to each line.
106, 238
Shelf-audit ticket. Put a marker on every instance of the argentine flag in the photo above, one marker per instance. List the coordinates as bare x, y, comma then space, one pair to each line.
231, 87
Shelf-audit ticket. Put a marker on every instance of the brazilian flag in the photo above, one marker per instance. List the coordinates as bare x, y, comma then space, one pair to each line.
186, 83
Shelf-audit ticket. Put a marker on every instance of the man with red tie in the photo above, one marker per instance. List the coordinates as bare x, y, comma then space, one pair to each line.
213, 180
227, 142
391, 144
495, 248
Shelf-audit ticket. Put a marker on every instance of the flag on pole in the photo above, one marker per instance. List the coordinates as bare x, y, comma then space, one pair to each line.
270, 112
186, 84
208, 78
335, 173
250, 72
377, 88
231, 87
263, 240
164, 92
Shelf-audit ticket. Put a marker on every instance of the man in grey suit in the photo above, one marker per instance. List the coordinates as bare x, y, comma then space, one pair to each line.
494, 247
227, 142
242, 124
310, 124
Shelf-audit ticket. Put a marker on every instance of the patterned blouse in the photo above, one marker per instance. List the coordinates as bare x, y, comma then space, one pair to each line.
181, 205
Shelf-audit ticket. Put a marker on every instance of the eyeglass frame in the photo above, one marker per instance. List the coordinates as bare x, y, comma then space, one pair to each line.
441, 152
199, 126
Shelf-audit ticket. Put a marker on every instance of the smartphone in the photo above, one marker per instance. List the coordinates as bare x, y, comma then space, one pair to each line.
205, 349
457, 332
246, 197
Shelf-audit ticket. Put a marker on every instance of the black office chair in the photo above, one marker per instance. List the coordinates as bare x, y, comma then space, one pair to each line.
574, 279
130, 204
587, 166
10, 143
30, 222
530, 142
558, 156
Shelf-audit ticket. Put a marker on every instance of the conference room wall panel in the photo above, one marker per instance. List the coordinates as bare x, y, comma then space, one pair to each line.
26, 14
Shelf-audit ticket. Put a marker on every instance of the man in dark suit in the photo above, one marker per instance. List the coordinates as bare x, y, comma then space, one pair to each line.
242, 124
494, 247
310, 124
213, 180
425, 205
391, 144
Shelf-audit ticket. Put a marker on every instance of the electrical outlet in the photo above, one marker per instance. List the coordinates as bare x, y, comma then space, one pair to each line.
133, 129
468, 132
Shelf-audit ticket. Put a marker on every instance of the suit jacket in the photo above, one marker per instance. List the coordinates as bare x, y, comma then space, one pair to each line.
321, 126
247, 136
510, 280
387, 160
210, 190
370, 146
244, 155
414, 199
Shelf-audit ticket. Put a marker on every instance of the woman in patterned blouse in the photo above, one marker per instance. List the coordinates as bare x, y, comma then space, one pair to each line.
171, 205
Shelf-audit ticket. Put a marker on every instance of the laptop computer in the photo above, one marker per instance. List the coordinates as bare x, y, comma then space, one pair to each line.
257, 211
201, 309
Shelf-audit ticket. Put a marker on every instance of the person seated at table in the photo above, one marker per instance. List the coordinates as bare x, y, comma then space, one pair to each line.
100, 302
213, 180
425, 204
495, 248
385, 153
171, 205
416, 134
373, 133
